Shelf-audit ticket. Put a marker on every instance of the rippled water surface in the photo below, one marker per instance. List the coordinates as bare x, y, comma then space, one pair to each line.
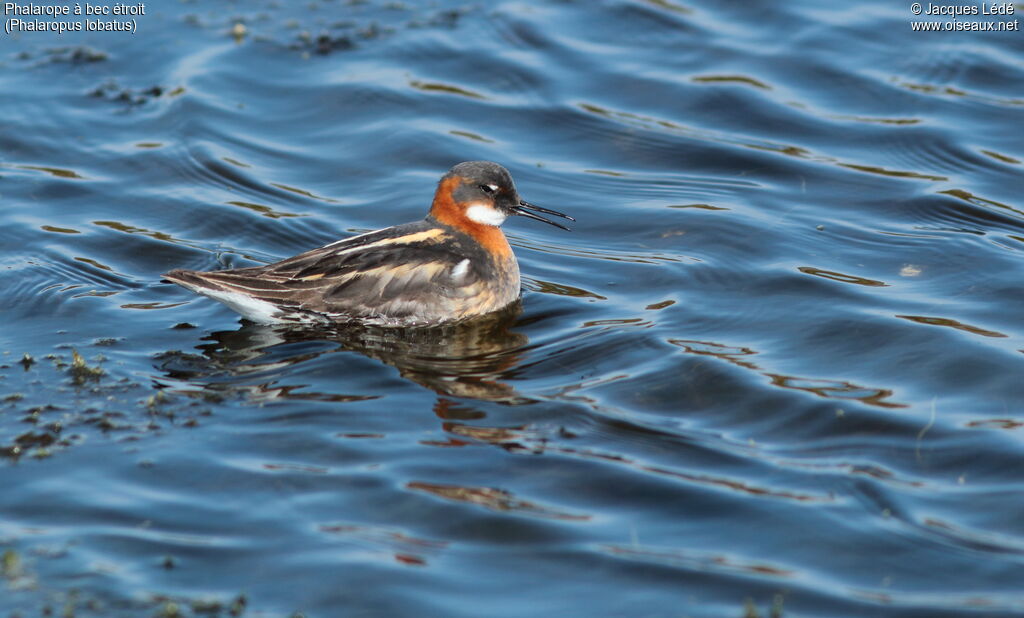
774, 370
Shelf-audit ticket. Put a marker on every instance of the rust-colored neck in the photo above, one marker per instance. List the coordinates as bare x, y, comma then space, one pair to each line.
449, 212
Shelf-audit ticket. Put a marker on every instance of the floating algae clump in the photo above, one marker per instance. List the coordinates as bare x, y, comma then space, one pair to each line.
80, 371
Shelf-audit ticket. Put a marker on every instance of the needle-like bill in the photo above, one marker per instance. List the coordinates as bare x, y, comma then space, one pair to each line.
521, 209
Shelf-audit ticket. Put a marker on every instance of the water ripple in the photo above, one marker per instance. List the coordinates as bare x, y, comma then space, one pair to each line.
785, 329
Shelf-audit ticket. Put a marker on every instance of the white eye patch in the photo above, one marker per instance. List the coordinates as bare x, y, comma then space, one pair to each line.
485, 214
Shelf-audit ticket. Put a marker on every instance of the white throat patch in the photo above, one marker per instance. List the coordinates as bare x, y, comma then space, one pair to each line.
485, 214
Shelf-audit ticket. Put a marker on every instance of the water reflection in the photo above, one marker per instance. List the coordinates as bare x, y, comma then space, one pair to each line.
829, 389
493, 499
467, 359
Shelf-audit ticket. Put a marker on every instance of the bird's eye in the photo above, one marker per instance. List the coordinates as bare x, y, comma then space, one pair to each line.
488, 189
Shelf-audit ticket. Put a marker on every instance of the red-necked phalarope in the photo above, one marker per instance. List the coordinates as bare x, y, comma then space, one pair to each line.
454, 264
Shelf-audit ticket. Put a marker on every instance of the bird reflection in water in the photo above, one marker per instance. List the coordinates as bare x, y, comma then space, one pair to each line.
466, 359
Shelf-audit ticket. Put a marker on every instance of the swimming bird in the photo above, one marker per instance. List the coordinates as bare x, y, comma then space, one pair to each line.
454, 264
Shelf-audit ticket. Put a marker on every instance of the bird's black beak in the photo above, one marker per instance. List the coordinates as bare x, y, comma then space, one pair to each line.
524, 209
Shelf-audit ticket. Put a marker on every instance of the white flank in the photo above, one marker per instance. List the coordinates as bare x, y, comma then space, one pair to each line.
460, 269
485, 214
256, 310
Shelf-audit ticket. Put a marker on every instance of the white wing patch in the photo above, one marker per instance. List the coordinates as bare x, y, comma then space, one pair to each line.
459, 270
485, 214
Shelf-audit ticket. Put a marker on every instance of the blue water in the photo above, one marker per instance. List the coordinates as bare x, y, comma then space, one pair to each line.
774, 370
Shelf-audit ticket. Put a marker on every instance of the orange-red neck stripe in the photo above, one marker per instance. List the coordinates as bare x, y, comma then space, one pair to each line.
446, 210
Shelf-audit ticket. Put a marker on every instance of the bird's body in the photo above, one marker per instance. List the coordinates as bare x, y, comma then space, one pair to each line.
454, 264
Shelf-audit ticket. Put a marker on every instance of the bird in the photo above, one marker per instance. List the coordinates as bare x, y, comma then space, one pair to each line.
453, 265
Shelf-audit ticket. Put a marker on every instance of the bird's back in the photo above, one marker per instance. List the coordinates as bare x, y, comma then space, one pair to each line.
422, 272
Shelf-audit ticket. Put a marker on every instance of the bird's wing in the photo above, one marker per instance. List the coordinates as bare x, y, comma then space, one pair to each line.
388, 274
